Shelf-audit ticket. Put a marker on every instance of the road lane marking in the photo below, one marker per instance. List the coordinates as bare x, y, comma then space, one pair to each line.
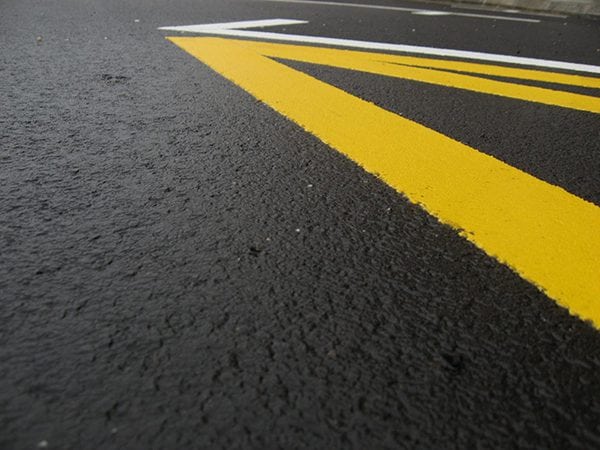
418, 11
325, 54
245, 24
544, 233
372, 63
232, 29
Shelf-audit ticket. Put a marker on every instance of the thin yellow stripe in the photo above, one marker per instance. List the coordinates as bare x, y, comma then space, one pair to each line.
547, 235
299, 52
372, 63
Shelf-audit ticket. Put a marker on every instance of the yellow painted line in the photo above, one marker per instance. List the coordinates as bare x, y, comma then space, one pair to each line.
547, 235
377, 64
493, 70
506, 72
323, 54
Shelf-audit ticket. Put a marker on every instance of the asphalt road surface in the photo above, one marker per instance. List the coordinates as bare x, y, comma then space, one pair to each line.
181, 266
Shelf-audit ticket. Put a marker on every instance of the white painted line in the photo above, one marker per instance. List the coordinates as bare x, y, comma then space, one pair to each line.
251, 24
422, 12
431, 13
232, 29
492, 8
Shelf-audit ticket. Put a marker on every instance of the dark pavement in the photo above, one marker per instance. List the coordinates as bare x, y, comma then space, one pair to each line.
182, 267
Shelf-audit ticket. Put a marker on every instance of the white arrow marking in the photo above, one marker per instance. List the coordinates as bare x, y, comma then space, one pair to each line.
236, 29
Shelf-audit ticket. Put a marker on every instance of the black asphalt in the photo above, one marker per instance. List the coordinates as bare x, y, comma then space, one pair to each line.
181, 267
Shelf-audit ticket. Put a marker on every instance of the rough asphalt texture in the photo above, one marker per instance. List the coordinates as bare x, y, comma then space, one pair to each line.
181, 267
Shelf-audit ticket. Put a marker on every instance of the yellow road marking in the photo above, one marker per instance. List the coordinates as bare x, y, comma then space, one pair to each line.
547, 235
298, 53
390, 66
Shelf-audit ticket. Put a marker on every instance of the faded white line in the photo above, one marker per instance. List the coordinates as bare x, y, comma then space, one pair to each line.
232, 29
492, 8
418, 11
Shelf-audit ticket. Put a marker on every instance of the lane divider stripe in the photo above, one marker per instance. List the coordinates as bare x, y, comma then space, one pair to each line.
372, 63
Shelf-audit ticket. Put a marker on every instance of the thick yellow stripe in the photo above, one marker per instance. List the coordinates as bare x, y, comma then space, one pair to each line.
547, 235
372, 63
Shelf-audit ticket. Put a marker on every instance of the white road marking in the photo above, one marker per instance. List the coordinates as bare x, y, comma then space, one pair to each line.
233, 29
492, 8
246, 24
430, 13
418, 11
